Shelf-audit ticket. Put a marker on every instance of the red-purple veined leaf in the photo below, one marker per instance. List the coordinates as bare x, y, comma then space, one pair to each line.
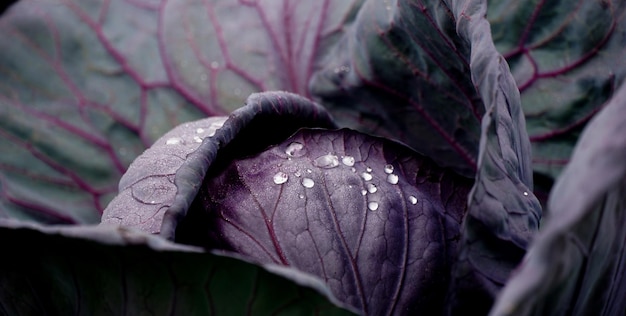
567, 58
376, 221
160, 184
86, 86
402, 72
576, 264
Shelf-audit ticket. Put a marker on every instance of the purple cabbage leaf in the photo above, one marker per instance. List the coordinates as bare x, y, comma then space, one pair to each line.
113, 270
503, 213
567, 58
402, 72
86, 86
575, 265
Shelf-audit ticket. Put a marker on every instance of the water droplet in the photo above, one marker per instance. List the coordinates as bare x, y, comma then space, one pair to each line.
368, 169
197, 139
174, 141
327, 161
371, 188
301, 196
525, 193
413, 200
348, 161
363, 192
281, 177
215, 126
215, 65
392, 178
309, 171
353, 169
308, 182
388, 168
366, 176
294, 149
372, 206
200, 130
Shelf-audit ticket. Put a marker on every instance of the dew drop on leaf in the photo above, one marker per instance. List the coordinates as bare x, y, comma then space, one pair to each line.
280, 177
388, 168
326, 162
413, 200
308, 183
348, 161
366, 176
174, 141
372, 206
363, 192
294, 149
392, 178
371, 188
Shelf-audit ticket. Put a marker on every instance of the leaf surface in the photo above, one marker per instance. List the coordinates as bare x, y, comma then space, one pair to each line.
106, 270
576, 264
162, 182
376, 221
503, 213
402, 72
567, 59
86, 86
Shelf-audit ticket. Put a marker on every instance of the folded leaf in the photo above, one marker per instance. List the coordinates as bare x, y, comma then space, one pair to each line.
167, 176
503, 213
576, 264
106, 270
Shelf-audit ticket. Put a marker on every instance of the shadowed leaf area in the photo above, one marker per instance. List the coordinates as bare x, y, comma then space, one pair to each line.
376, 221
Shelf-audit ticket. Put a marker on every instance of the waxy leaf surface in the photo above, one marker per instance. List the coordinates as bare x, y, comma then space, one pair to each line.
376, 221
87, 85
161, 183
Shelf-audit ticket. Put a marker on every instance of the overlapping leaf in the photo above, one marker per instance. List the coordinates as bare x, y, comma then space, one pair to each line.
105, 270
503, 213
567, 59
166, 177
403, 72
86, 86
576, 264
376, 221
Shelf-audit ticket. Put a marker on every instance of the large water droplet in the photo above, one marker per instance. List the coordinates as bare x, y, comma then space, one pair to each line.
366, 176
413, 200
372, 206
308, 182
388, 168
327, 161
392, 178
281, 177
348, 161
294, 149
371, 188
174, 141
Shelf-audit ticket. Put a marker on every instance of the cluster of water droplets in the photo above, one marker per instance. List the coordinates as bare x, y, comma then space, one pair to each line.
330, 161
198, 135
